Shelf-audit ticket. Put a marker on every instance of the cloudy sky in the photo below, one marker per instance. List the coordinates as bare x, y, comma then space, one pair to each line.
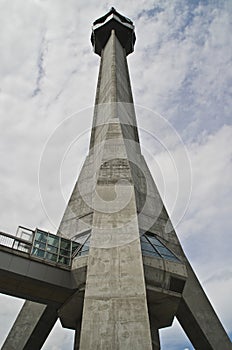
181, 75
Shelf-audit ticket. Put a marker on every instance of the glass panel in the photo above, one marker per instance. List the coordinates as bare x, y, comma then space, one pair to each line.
40, 245
27, 236
87, 243
38, 252
164, 250
65, 244
41, 236
153, 253
85, 248
65, 252
166, 253
83, 252
74, 246
53, 240
169, 254
24, 233
52, 249
51, 257
172, 258
155, 241
63, 260
146, 246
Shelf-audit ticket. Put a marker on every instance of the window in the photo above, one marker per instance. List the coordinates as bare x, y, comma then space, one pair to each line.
53, 248
84, 250
25, 233
152, 246
58, 250
82, 240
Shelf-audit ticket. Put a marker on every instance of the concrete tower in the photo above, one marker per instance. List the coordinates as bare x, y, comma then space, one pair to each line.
130, 276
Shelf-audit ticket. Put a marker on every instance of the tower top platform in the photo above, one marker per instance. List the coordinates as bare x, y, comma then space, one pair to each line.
113, 20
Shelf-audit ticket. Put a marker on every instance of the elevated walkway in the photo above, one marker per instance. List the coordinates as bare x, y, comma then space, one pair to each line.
36, 265
40, 245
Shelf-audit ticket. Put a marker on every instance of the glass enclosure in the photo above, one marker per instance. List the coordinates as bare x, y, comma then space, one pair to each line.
152, 246
53, 248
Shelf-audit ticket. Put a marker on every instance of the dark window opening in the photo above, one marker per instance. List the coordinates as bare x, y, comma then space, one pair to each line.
176, 285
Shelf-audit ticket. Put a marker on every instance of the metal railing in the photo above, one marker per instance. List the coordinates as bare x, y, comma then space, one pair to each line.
15, 242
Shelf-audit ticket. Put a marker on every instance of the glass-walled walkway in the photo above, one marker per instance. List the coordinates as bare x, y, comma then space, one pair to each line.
45, 246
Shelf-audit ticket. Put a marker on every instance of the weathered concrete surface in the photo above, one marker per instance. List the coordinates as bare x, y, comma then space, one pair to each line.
23, 277
70, 313
115, 314
31, 328
163, 302
154, 334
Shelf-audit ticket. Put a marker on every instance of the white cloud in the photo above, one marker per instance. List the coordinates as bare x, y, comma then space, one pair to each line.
174, 338
205, 228
59, 339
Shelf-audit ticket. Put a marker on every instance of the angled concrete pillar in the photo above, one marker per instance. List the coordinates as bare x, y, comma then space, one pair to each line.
198, 318
31, 328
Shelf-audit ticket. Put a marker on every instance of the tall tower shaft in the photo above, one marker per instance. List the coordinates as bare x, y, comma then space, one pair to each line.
115, 304
132, 274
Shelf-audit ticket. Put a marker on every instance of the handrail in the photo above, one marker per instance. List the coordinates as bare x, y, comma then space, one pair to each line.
4, 234
14, 242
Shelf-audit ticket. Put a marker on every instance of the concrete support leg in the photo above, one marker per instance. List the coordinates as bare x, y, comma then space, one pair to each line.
77, 337
155, 339
31, 328
154, 335
198, 318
